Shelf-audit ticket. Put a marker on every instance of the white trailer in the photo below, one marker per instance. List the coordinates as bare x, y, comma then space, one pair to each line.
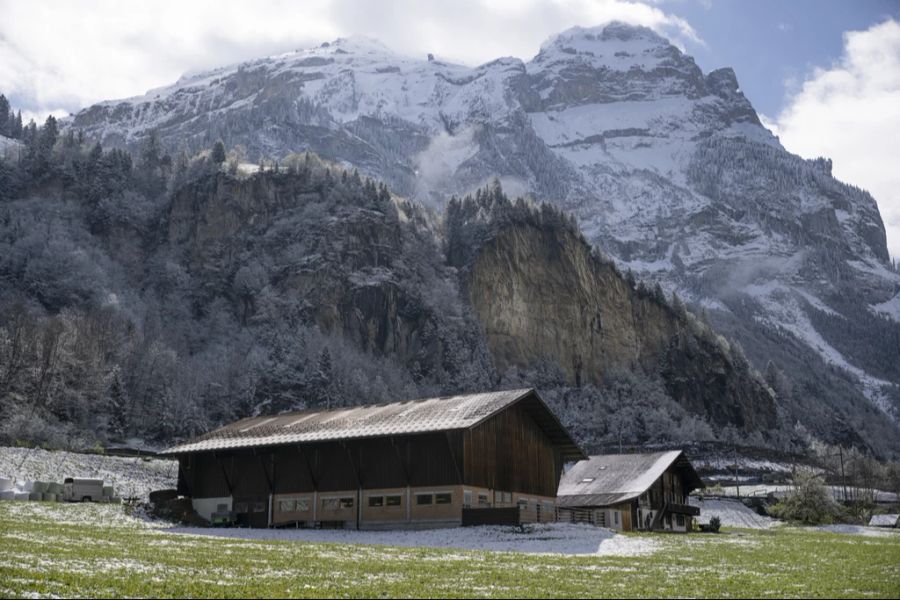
82, 490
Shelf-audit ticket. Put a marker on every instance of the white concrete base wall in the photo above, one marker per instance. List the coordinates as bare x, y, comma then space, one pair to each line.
205, 507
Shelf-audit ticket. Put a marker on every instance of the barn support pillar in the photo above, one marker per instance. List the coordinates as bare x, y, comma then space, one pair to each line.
270, 481
403, 467
356, 475
312, 478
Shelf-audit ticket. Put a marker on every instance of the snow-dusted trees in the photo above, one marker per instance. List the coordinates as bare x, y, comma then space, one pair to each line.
808, 501
10, 121
218, 153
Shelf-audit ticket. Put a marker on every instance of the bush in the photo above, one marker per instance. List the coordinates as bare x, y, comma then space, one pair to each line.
809, 502
715, 524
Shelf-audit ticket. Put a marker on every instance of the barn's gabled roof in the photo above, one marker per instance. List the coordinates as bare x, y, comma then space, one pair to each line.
613, 478
381, 420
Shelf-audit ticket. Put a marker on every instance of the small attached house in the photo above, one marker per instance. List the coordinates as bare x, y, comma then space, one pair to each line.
479, 458
630, 491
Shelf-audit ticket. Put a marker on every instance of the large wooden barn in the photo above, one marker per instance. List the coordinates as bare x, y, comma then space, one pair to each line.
631, 491
423, 463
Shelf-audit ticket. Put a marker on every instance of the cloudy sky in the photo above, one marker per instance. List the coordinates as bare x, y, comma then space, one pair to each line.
825, 74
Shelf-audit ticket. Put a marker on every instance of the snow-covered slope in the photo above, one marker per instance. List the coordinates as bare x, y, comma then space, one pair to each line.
131, 477
8, 146
667, 168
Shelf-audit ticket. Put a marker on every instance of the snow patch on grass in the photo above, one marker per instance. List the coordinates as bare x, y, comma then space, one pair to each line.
859, 530
556, 538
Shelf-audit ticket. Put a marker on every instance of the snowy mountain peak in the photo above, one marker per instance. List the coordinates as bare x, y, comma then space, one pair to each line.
615, 46
587, 38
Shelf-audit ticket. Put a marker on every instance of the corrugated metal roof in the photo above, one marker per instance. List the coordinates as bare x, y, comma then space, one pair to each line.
377, 420
613, 478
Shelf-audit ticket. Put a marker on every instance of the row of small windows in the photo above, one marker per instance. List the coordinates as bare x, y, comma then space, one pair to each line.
303, 504
442, 498
380, 501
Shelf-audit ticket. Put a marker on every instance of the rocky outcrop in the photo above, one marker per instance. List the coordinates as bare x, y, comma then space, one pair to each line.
542, 295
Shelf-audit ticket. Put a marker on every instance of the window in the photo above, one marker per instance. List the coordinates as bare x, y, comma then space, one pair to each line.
587, 480
498, 497
467, 498
522, 504
240, 507
392, 500
443, 498
286, 505
679, 520
302, 504
507, 497
376, 501
601, 518
259, 507
483, 500
346, 502
615, 517
330, 504
422, 499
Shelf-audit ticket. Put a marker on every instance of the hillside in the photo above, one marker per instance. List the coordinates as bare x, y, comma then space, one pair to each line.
171, 299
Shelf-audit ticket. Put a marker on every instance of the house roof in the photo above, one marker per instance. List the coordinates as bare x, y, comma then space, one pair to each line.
613, 478
382, 420
885, 520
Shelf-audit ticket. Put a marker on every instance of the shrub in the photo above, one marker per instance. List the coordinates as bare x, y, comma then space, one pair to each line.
809, 502
715, 524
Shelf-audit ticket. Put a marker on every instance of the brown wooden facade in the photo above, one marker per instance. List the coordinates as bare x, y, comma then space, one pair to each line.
508, 459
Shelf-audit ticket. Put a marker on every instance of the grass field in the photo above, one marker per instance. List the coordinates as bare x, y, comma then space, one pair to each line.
98, 551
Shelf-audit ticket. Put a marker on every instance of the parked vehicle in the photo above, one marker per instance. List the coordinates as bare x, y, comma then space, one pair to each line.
82, 490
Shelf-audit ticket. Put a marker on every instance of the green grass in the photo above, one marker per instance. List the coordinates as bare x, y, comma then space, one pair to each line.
97, 551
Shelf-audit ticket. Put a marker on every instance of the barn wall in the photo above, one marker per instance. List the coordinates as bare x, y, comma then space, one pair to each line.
203, 476
510, 452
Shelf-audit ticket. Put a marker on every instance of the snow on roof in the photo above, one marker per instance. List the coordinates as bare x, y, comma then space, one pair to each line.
885, 520
380, 420
612, 478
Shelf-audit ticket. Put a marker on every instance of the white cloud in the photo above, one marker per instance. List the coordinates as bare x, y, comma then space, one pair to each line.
58, 54
850, 113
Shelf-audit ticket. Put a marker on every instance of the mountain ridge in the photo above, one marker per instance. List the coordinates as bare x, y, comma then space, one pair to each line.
668, 169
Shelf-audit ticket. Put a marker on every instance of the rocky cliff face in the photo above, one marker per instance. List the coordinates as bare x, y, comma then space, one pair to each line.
541, 295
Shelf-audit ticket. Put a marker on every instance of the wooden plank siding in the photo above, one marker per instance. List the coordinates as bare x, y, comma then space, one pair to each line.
420, 460
510, 452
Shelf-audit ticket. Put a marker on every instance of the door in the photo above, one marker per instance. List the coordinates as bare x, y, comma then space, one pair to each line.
252, 512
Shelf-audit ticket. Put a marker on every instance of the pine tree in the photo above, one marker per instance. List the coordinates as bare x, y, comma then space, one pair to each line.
5, 116
49, 135
15, 126
324, 379
119, 407
218, 153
